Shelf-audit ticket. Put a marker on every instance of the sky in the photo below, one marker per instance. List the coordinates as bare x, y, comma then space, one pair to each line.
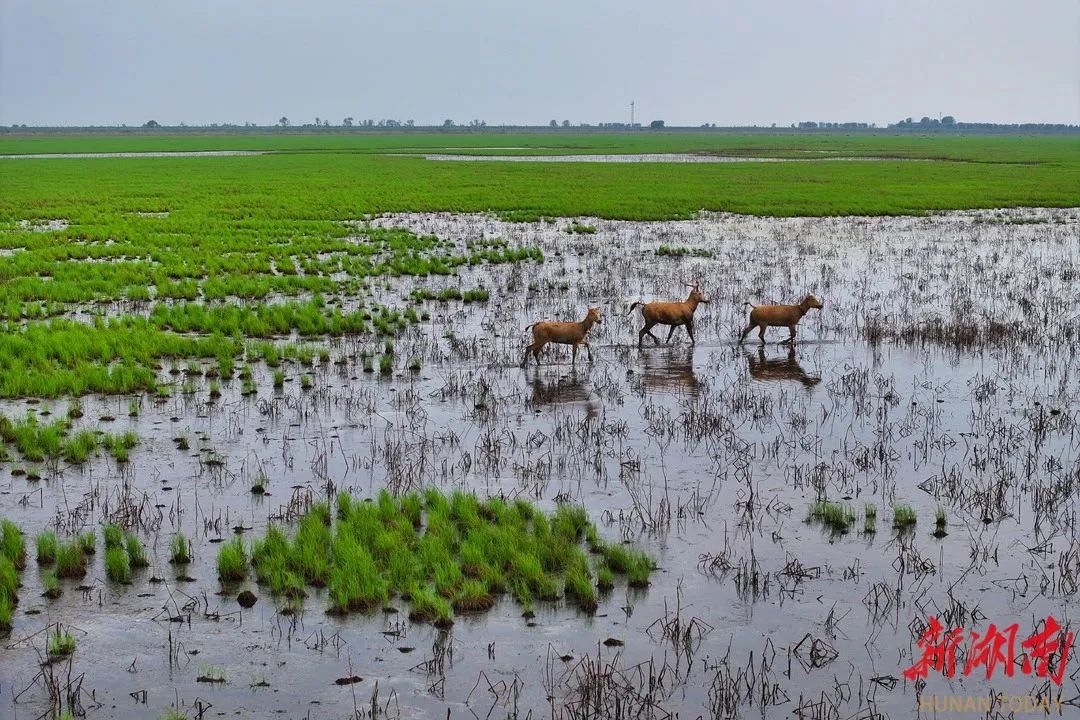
112, 62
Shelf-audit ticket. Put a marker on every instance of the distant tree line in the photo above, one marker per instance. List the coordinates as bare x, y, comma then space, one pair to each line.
948, 122
351, 124
811, 125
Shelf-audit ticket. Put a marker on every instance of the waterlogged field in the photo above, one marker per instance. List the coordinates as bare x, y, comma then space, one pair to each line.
265, 451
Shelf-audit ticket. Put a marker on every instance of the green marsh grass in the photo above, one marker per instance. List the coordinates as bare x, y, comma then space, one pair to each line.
117, 564
442, 553
113, 535
51, 585
904, 517
60, 643
838, 517
941, 521
70, 560
12, 544
46, 547
232, 560
88, 542
136, 552
179, 550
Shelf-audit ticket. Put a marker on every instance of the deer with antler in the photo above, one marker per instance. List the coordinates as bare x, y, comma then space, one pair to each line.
673, 314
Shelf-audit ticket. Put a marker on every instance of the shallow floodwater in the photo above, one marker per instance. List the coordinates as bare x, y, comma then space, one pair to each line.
930, 378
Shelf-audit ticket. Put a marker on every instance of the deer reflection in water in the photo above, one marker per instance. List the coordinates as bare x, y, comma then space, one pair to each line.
765, 369
669, 370
555, 389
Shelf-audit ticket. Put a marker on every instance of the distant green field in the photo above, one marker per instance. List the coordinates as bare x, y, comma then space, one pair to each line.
335, 176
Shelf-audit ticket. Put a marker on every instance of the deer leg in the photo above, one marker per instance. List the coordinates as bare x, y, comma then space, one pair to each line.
761, 333
670, 332
525, 360
690, 332
790, 340
746, 332
644, 332
536, 348
573, 355
589, 348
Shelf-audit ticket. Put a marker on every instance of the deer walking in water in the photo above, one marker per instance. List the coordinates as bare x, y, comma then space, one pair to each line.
673, 314
561, 333
765, 316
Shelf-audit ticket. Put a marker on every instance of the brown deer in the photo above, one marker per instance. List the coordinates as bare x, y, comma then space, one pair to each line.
765, 316
562, 333
670, 313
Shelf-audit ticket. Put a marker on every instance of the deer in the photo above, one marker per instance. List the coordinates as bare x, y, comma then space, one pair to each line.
765, 316
561, 333
673, 314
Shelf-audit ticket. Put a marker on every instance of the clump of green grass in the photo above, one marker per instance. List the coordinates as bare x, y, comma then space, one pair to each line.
113, 535
117, 564
577, 228
51, 585
259, 483
941, 521
838, 517
46, 547
279, 379
70, 560
88, 542
682, 251
428, 606
232, 560
9, 590
136, 551
211, 674
442, 553
903, 517
60, 643
386, 364
179, 550
870, 519
12, 544
605, 578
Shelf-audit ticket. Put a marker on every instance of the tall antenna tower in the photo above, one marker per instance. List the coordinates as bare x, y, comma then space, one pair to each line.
631, 113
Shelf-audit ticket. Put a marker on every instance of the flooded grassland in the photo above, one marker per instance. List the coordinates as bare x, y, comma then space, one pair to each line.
773, 486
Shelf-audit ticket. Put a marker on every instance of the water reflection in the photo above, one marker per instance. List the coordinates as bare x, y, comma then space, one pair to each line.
670, 370
766, 369
551, 389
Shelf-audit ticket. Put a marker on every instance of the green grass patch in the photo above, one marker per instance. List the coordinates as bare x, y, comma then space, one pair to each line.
232, 560
904, 517
117, 564
837, 517
70, 560
46, 547
443, 553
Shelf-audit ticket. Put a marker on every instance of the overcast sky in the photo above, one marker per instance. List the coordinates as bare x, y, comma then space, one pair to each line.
107, 62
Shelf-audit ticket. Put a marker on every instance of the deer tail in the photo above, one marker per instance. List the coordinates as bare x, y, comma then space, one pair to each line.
752, 306
528, 327
634, 305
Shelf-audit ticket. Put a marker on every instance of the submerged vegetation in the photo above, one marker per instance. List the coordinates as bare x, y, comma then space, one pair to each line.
444, 554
